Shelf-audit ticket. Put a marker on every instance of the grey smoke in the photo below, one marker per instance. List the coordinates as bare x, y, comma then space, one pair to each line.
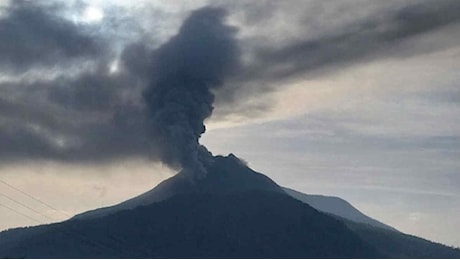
185, 71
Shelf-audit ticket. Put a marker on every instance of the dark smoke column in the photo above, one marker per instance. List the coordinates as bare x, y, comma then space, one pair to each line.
179, 98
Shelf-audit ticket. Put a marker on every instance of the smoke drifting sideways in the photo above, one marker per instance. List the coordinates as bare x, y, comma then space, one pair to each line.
179, 97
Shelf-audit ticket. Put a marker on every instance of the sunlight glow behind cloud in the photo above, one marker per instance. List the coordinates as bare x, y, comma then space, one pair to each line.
91, 14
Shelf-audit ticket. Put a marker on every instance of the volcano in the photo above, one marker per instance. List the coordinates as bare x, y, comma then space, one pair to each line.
226, 175
232, 212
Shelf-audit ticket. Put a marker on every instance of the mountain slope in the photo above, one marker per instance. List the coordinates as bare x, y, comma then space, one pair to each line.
399, 245
226, 174
247, 224
230, 174
337, 207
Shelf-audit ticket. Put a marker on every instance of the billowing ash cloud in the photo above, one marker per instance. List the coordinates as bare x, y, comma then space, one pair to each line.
185, 71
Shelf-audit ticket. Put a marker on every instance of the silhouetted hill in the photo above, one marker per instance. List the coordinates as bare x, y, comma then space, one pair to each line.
400, 245
247, 224
337, 207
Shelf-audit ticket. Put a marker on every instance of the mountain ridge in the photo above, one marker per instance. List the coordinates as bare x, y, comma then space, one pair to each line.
247, 224
337, 207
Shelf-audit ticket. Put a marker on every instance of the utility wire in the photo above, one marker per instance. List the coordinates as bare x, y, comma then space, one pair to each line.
20, 213
74, 233
27, 207
36, 199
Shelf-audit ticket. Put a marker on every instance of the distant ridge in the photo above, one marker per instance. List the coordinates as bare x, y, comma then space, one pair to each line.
336, 206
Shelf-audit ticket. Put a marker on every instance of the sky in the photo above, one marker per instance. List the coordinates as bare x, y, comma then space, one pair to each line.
355, 99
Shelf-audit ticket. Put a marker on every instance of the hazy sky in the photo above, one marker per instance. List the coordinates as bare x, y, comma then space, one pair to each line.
357, 99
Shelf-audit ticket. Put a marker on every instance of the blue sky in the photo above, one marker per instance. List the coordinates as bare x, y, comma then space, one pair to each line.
357, 99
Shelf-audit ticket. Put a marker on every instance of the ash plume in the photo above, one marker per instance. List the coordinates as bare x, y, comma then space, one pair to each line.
179, 98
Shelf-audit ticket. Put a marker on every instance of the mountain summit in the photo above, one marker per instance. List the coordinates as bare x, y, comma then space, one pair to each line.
227, 174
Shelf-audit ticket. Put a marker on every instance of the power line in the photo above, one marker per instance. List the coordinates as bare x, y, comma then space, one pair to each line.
25, 206
36, 199
71, 233
74, 233
20, 213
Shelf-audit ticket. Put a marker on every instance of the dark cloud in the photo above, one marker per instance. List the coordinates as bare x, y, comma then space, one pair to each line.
32, 34
86, 118
84, 112
399, 31
378, 36
94, 91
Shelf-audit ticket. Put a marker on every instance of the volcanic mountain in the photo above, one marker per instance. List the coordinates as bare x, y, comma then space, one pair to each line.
230, 174
232, 212
226, 175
